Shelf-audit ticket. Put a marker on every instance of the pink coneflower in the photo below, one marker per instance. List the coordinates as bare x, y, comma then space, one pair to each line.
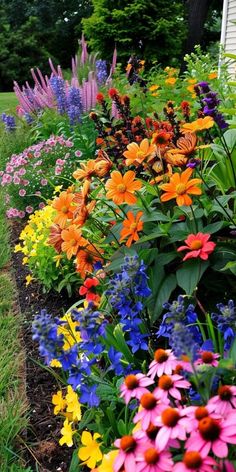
174, 425
150, 435
225, 401
198, 245
214, 435
194, 461
153, 460
169, 385
164, 362
134, 386
129, 447
151, 408
207, 357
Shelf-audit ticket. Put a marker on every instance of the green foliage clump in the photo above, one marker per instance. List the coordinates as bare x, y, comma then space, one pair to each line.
142, 27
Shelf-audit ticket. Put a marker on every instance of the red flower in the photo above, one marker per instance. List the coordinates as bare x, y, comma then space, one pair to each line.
88, 289
113, 93
100, 97
198, 245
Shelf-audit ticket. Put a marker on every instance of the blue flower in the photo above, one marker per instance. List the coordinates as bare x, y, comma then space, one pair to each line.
9, 122
115, 359
88, 395
101, 71
45, 332
226, 322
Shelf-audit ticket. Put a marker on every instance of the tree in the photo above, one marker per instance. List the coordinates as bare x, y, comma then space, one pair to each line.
154, 30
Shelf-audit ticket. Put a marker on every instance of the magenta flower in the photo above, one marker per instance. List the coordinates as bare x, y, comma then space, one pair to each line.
78, 153
29, 209
173, 425
207, 357
164, 363
151, 408
198, 245
129, 447
225, 401
194, 461
153, 460
213, 435
44, 182
226, 466
22, 192
134, 386
170, 385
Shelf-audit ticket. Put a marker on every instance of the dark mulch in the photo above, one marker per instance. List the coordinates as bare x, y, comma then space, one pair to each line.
44, 427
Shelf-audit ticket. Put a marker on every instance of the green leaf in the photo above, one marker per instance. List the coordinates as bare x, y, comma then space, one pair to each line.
189, 275
232, 354
230, 266
213, 227
166, 287
156, 234
121, 428
74, 462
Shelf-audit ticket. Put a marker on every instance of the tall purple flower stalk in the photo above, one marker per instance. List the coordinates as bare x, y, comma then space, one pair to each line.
9, 122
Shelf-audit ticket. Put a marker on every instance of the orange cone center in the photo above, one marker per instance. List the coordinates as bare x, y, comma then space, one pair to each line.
180, 189
151, 456
121, 188
197, 244
192, 460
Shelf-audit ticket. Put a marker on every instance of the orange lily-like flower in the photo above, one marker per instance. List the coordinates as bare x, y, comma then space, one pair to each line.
164, 177
65, 208
55, 238
135, 153
180, 187
121, 188
86, 171
185, 146
72, 240
198, 125
131, 226
86, 258
83, 213
103, 164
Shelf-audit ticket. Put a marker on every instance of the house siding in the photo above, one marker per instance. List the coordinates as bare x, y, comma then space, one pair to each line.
228, 32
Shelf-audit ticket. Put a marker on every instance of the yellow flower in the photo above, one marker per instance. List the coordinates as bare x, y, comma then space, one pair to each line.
73, 405
212, 75
57, 189
67, 434
153, 88
170, 81
28, 279
108, 462
71, 335
55, 363
155, 94
25, 260
58, 259
91, 453
59, 402
18, 248
192, 81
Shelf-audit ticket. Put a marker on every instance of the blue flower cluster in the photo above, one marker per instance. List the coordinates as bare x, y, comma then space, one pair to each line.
226, 322
210, 102
124, 291
101, 71
68, 99
45, 332
179, 326
9, 122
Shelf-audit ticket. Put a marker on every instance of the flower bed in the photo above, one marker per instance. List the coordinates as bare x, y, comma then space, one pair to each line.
143, 237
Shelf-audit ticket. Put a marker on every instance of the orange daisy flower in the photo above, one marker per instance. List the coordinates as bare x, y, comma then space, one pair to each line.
72, 240
135, 154
161, 139
83, 213
121, 188
86, 258
65, 208
131, 226
86, 171
198, 125
180, 187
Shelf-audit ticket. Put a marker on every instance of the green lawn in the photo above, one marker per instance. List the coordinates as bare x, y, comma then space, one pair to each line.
8, 102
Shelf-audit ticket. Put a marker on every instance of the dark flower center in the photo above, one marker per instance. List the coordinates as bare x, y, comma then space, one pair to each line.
152, 431
127, 443
165, 382
201, 412
170, 417
151, 456
207, 357
209, 429
131, 382
192, 460
148, 401
160, 356
225, 393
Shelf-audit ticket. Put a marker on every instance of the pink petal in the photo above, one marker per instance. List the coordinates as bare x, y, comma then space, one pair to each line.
220, 448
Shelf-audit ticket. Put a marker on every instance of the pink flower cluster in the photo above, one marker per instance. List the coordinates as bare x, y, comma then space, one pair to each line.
34, 173
166, 423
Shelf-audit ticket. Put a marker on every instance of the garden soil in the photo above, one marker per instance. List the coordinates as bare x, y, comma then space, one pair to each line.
44, 427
